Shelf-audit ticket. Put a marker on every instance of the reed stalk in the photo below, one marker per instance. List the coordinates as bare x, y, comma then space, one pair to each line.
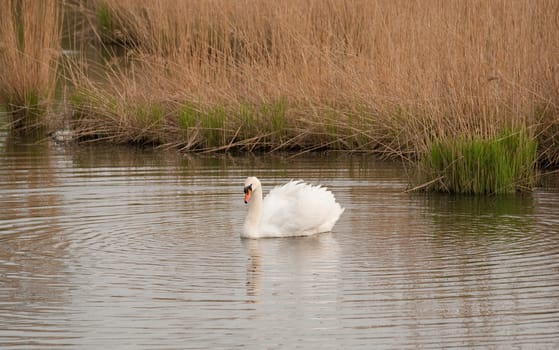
30, 43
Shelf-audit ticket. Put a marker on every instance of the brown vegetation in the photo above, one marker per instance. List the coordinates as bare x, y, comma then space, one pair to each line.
381, 76
384, 76
30, 37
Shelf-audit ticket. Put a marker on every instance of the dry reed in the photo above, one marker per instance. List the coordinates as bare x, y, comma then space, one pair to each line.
30, 42
383, 76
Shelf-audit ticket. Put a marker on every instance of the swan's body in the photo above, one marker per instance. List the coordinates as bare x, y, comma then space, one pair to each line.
294, 209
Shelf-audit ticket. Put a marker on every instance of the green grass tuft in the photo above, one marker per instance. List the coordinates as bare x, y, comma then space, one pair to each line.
150, 115
188, 117
212, 123
273, 115
105, 20
504, 164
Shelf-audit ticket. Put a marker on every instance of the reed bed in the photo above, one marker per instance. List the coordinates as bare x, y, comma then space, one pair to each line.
30, 43
393, 77
390, 77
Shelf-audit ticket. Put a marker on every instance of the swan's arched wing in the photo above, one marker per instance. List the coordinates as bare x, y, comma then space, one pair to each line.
297, 208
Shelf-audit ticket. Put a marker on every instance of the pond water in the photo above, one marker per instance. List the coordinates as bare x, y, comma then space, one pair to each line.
130, 249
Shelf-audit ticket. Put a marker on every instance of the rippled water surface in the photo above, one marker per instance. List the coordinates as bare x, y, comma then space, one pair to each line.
129, 249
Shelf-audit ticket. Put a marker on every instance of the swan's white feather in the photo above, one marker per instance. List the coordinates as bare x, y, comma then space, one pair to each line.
297, 209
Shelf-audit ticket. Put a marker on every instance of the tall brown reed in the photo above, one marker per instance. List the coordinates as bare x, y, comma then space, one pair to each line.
388, 76
30, 42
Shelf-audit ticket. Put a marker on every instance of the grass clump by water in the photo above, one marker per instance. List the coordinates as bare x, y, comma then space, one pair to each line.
30, 42
502, 164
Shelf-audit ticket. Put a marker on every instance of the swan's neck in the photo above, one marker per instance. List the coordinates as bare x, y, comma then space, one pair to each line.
252, 220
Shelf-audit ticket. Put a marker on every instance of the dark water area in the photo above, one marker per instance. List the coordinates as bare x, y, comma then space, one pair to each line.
139, 249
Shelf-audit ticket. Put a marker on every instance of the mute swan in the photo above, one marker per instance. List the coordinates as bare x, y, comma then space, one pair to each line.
294, 209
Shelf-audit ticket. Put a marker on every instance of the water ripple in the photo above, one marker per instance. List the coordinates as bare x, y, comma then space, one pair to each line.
130, 249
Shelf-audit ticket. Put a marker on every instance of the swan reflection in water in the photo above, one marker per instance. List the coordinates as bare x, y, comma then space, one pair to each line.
254, 268
308, 266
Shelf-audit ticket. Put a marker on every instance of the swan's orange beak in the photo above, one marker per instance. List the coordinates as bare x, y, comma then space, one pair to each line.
248, 193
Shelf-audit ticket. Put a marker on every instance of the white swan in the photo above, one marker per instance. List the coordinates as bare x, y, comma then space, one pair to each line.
294, 209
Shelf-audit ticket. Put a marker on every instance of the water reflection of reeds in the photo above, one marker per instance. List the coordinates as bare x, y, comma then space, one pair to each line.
33, 242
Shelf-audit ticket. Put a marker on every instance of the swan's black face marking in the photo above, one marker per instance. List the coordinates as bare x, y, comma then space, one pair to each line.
248, 193
248, 188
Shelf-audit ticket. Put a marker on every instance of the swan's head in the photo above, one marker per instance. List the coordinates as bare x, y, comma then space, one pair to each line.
252, 184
